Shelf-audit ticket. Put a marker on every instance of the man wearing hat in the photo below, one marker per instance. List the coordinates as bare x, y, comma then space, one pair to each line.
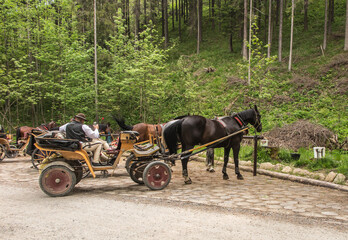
76, 129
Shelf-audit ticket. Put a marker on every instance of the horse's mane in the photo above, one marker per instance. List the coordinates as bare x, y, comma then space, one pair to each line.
180, 117
246, 114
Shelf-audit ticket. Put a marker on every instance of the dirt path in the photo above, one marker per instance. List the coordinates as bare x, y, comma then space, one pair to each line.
27, 214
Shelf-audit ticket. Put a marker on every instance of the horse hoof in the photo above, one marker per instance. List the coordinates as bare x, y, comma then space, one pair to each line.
225, 177
240, 177
211, 170
188, 181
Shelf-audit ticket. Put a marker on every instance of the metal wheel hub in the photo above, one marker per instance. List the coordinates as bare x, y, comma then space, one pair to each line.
157, 175
57, 180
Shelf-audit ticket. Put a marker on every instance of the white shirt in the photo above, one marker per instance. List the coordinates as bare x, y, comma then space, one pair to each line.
88, 131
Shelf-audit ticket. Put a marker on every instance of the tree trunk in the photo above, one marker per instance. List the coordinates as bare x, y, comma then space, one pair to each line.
280, 31
198, 25
213, 14
180, 6
200, 18
331, 16
137, 17
250, 24
305, 18
219, 17
166, 37
95, 61
291, 33
325, 26
173, 15
231, 34
346, 37
269, 28
145, 17
245, 54
193, 17
162, 18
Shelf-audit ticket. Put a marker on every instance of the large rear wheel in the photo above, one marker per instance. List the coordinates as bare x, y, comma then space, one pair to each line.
2, 152
157, 175
57, 180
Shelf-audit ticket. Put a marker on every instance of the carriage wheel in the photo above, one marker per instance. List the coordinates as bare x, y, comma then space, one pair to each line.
77, 165
130, 159
157, 175
12, 154
57, 180
38, 156
136, 171
2, 152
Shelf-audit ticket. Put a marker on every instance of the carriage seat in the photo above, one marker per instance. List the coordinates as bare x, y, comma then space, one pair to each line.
147, 152
47, 140
143, 147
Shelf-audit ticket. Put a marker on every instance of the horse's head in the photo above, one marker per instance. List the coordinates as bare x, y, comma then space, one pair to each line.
257, 120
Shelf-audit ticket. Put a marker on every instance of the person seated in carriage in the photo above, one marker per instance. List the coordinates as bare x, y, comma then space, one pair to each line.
77, 129
2, 132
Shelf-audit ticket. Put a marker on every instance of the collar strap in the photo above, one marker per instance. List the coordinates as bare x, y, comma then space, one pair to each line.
238, 121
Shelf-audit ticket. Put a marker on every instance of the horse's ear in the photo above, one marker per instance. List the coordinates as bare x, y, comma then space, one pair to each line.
255, 107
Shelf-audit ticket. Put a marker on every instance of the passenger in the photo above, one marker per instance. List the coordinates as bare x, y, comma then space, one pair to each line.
2, 132
88, 137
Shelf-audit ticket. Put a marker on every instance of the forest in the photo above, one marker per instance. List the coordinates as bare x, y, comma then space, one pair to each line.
151, 61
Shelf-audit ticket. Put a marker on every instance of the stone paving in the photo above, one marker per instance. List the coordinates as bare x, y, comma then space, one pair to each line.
261, 193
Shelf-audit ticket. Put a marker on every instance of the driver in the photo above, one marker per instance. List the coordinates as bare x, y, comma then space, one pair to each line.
76, 129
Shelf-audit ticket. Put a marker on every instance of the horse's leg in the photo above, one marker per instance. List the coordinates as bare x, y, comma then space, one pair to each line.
236, 149
210, 160
226, 156
184, 162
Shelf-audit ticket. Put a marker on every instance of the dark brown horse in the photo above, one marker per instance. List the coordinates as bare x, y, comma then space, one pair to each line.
143, 129
198, 130
23, 132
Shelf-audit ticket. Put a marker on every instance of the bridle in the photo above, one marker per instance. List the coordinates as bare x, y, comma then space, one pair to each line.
257, 120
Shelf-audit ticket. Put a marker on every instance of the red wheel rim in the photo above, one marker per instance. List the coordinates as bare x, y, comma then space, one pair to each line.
57, 180
157, 176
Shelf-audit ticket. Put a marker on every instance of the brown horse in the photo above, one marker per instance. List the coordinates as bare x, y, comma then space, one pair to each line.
23, 132
143, 129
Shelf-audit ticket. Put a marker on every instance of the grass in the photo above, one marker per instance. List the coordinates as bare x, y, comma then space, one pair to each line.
335, 160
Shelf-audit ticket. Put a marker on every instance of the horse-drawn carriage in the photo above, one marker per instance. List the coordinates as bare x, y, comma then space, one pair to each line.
147, 164
60, 172
11, 150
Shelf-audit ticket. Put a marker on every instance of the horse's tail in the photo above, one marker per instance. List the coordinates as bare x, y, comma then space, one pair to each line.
172, 135
18, 134
121, 123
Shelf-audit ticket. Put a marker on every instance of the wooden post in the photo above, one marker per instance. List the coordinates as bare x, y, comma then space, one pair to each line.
255, 154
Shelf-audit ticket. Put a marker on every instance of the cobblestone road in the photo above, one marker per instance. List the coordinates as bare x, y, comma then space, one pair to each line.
261, 193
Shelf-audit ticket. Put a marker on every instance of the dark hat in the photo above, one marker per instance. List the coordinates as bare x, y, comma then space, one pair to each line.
81, 116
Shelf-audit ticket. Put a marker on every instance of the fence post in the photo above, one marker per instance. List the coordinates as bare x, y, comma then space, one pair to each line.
255, 154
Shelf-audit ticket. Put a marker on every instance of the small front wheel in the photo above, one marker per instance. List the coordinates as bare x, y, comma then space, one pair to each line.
13, 153
157, 175
136, 171
130, 159
57, 180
